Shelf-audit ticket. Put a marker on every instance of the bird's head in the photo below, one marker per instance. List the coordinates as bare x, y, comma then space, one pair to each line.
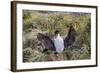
56, 32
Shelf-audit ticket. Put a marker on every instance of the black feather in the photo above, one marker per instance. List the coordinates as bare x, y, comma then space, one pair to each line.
70, 39
46, 42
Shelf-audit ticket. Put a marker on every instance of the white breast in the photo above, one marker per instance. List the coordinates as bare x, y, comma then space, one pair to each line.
59, 44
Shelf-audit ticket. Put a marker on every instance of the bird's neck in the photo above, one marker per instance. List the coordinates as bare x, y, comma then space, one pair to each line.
58, 35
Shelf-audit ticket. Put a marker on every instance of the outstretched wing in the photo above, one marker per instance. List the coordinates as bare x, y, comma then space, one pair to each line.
47, 43
70, 39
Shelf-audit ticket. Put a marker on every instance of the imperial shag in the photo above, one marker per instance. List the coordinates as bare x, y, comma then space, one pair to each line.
59, 44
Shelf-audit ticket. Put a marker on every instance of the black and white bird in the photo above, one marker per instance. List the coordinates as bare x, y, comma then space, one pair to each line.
58, 44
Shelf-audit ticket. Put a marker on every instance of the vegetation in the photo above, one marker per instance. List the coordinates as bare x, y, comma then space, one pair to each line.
47, 22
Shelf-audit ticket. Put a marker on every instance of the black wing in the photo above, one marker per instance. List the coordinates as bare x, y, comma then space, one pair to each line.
46, 41
70, 39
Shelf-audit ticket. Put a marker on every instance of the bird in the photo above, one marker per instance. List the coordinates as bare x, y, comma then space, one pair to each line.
58, 44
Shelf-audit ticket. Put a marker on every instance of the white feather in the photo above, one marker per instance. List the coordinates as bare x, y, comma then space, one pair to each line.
59, 43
